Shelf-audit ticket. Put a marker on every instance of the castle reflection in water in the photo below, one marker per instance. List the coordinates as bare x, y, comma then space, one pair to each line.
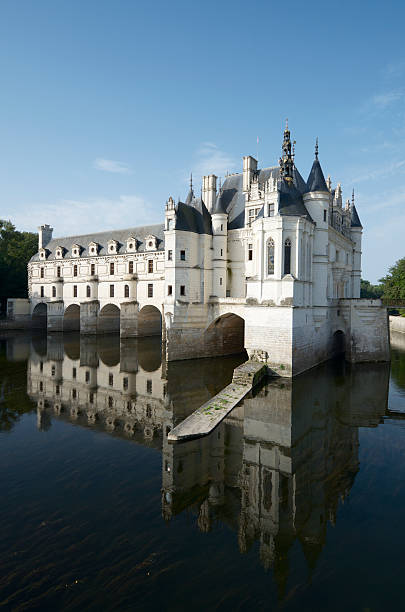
275, 470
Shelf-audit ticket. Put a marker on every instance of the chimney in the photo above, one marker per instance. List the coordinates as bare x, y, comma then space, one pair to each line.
209, 191
44, 236
249, 168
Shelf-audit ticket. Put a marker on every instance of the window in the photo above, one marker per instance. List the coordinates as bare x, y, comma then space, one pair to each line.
149, 409
222, 227
41, 366
53, 291
41, 386
169, 255
93, 269
150, 266
88, 291
74, 290
53, 370
87, 376
169, 290
111, 380
111, 269
271, 210
91, 398
183, 255
74, 372
57, 389
111, 290
251, 216
126, 291
131, 245
324, 215
131, 267
220, 281
148, 386
110, 401
150, 290
250, 252
182, 290
337, 256
222, 252
58, 271
74, 270
42, 292
74, 393
42, 272
270, 256
287, 256
125, 383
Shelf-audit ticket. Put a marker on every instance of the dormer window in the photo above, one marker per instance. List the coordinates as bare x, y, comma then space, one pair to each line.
131, 244
76, 250
112, 247
150, 243
42, 254
59, 252
93, 248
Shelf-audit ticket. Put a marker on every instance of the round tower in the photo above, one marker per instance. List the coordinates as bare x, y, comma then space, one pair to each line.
219, 218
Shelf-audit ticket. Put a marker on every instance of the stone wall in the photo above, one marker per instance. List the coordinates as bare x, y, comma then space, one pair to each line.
397, 324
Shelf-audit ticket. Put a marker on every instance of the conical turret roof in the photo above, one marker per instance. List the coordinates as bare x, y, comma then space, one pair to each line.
316, 180
355, 219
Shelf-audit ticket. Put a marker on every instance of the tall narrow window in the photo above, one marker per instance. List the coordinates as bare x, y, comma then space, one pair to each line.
42, 292
111, 290
92, 269
88, 291
125, 383
271, 210
150, 266
74, 290
169, 289
220, 280
53, 291
169, 255
270, 256
250, 252
87, 376
150, 290
148, 386
182, 290
74, 372
42, 272
131, 267
324, 215
126, 291
287, 256
111, 269
183, 255
74, 270
58, 271
111, 380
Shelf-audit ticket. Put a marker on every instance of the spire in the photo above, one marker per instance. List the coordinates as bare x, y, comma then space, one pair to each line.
355, 219
286, 160
316, 180
353, 198
190, 195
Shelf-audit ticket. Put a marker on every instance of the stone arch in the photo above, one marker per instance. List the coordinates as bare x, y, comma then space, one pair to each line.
149, 321
338, 343
225, 335
40, 316
109, 319
71, 318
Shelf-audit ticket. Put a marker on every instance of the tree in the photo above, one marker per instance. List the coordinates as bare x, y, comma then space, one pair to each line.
16, 249
394, 283
367, 290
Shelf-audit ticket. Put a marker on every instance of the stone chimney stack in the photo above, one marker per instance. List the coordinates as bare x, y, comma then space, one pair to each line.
249, 168
209, 191
44, 236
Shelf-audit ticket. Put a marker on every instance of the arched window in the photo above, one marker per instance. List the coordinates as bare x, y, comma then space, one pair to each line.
270, 256
126, 291
287, 256
88, 291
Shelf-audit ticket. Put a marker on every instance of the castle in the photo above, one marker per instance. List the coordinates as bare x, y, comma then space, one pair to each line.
265, 262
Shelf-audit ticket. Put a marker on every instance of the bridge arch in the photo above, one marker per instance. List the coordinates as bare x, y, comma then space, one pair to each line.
226, 335
40, 316
71, 318
338, 347
109, 319
149, 321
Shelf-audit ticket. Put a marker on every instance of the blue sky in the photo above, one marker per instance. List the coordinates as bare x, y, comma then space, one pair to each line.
106, 106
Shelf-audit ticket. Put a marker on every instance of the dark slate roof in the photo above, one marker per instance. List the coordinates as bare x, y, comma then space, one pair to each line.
316, 179
193, 218
220, 205
291, 203
102, 238
355, 220
190, 196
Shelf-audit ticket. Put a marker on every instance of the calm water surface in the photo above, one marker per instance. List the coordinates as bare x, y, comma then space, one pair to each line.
295, 502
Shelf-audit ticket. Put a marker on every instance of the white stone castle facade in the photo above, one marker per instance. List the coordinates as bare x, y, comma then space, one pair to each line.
266, 262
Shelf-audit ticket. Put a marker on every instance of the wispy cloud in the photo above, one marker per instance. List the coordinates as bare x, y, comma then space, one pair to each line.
110, 165
379, 173
212, 160
75, 217
383, 100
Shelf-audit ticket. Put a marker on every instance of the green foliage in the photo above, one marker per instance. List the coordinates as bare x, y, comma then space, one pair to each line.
394, 283
367, 290
16, 249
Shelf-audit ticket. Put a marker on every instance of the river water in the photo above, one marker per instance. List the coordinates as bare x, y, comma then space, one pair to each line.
295, 502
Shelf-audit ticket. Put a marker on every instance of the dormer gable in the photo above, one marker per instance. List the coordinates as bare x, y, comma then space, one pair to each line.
60, 252
112, 247
43, 253
132, 245
150, 243
76, 250
93, 248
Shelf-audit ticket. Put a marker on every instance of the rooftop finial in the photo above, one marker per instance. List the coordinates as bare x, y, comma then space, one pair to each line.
191, 180
286, 160
353, 197
316, 148
286, 124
